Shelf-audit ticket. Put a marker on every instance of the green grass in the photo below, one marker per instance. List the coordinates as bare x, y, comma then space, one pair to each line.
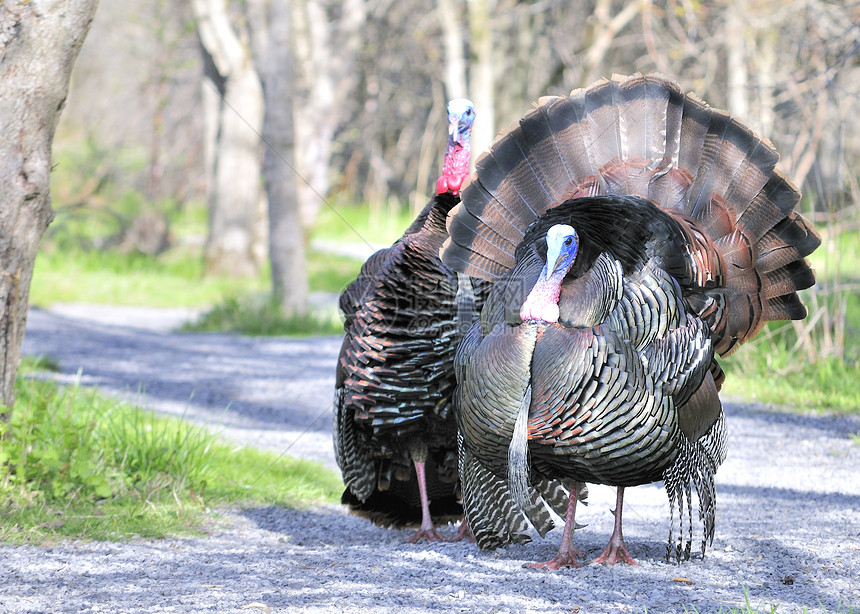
838, 258
330, 272
262, 316
781, 377
108, 277
349, 223
76, 264
171, 280
812, 365
779, 368
75, 464
67, 272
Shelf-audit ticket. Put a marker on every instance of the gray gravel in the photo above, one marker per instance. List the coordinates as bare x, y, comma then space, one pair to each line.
788, 522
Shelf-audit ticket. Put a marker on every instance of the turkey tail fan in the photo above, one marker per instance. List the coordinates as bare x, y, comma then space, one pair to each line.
641, 135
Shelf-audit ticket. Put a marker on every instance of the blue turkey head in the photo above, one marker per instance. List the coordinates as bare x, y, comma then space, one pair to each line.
562, 244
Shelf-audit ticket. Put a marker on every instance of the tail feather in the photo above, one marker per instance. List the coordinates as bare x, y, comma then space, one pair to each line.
787, 279
757, 164
712, 170
642, 114
564, 118
787, 307
794, 230
735, 165
691, 140
772, 203
473, 248
643, 136
537, 146
604, 130
646, 123
352, 456
511, 181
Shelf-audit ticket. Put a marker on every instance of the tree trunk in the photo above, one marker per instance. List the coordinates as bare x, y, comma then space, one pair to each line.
482, 79
324, 53
452, 39
39, 41
270, 36
737, 85
234, 118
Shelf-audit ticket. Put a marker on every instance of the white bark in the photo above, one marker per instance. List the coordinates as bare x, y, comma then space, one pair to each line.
234, 106
738, 78
482, 78
452, 39
605, 31
270, 26
324, 62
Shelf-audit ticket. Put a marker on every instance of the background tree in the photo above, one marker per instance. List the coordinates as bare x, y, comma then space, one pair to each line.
370, 79
39, 41
326, 37
233, 104
273, 57
129, 153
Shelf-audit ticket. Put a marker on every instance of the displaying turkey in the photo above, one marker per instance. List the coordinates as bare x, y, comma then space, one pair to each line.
631, 233
395, 377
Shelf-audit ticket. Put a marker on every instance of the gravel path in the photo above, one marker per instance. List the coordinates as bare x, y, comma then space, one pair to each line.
788, 521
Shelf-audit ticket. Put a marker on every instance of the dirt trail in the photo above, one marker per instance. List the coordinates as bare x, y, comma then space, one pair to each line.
788, 519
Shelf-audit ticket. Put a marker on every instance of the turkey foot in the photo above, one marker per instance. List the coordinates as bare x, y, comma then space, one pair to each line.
567, 553
616, 549
430, 534
464, 533
562, 559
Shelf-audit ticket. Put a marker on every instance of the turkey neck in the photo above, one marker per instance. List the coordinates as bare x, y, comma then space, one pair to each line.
494, 398
542, 301
430, 223
455, 167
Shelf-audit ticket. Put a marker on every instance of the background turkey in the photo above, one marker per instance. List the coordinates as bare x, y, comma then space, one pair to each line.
631, 233
395, 376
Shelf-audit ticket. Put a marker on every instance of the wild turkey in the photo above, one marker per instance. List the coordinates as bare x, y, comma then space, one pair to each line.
395, 376
631, 232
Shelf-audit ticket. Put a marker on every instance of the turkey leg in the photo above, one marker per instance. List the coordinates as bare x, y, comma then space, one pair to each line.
616, 550
427, 530
567, 554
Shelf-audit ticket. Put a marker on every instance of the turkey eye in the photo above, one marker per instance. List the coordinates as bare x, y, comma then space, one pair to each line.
568, 241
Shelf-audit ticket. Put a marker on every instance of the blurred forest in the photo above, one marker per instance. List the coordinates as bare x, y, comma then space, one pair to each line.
159, 86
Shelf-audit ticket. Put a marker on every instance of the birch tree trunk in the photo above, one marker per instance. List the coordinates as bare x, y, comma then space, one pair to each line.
737, 75
324, 71
234, 116
39, 42
452, 38
270, 23
482, 79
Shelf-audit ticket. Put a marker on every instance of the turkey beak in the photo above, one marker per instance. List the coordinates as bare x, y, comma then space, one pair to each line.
559, 259
554, 257
454, 129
